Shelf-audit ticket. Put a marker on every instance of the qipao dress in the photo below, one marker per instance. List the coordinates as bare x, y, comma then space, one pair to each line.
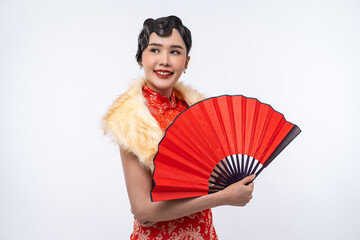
196, 226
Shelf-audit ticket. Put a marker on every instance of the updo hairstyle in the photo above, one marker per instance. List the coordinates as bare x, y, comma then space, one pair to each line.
162, 27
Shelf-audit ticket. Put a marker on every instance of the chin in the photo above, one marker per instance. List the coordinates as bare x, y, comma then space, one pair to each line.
163, 84
166, 84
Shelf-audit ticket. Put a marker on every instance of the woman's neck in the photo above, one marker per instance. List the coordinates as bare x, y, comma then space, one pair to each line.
166, 92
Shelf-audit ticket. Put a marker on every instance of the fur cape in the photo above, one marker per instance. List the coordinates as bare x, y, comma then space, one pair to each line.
133, 127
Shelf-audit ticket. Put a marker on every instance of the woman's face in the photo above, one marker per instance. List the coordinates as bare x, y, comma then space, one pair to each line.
164, 60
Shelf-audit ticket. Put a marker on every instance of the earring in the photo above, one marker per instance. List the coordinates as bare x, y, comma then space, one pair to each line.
140, 66
184, 70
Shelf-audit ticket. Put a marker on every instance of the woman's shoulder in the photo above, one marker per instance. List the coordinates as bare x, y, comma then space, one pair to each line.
129, 123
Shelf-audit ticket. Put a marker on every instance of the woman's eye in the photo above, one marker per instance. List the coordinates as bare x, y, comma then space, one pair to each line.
175, 52
154, 50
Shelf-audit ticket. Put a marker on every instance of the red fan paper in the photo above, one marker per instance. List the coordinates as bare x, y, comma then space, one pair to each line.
217, 142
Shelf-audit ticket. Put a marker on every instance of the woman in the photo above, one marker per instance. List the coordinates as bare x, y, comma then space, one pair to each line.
138, 119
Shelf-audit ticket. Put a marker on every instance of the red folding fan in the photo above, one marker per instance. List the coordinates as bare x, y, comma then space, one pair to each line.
217, 142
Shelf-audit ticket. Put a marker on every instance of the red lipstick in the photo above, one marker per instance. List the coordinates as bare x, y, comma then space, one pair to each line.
163, 71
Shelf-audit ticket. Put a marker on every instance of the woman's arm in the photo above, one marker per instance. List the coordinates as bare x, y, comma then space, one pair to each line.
139, 184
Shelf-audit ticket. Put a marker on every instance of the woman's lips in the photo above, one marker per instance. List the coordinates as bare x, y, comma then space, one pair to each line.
163, 73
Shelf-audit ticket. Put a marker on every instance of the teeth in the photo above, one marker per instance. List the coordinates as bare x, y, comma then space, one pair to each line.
164, 73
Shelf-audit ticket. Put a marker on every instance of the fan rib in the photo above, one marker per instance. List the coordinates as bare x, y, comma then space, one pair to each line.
262, 140
236, 172
251, 165
233, 130
242, 166
231, 170
246, 166
217, 184
226, 165
254, 126
219, 179
243, 115
238, 164
223, 174
255, 168
252, 130
215, 189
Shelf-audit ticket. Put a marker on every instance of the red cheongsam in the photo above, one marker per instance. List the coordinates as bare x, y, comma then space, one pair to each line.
196, 226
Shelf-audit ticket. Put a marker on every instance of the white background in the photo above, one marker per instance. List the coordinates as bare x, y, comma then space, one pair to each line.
62, 63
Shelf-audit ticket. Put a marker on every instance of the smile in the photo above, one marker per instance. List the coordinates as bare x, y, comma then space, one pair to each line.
163, 73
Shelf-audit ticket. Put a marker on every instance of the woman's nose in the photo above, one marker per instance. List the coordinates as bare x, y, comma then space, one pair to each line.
165, 59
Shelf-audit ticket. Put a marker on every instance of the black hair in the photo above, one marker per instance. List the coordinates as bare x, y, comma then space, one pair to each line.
162, 27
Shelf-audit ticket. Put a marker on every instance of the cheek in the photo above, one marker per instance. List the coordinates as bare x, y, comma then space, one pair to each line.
147, 60
179, 63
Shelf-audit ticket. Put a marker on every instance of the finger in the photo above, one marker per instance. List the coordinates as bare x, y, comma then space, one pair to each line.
248, 179
147, 224
144, 224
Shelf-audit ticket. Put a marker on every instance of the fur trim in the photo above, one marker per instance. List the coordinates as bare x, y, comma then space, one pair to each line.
131, 124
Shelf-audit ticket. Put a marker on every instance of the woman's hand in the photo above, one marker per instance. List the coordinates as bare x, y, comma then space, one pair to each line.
239, 193
147, 224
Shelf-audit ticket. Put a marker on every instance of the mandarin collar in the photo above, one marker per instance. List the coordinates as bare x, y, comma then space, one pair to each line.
159, 101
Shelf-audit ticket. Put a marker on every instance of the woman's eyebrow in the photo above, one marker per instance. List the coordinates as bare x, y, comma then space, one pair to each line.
160, 45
